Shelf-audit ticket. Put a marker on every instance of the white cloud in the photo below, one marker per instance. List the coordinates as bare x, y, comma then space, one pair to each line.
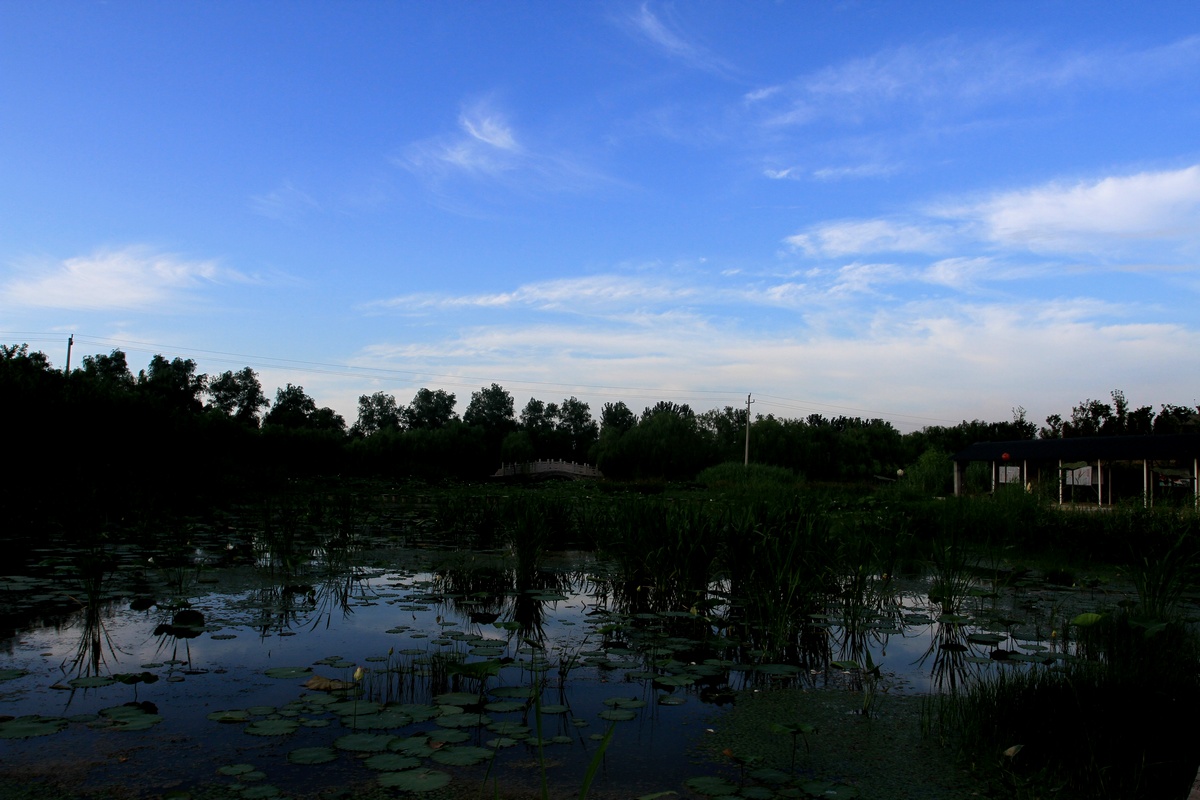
1092, 216
854, 237
1143, 216
910, 362
951, 74
133, 278
576, 295
285, 204
673, 43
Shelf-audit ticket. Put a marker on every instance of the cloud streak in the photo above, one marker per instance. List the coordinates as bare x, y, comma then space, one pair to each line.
129, 279
1145, 215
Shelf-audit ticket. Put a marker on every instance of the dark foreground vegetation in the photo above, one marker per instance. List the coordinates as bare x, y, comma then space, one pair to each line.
769, 555
102, 442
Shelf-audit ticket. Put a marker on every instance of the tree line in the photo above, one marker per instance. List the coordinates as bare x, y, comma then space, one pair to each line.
105, 433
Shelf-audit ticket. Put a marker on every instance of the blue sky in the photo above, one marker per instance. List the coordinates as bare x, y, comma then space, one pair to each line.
924, 212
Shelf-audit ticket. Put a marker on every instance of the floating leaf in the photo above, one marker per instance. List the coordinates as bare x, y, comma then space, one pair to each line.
288, 673
30, 726
504, 706
391, 762
272, 727
91, 682
415, 780
617, 714
235, 769
312, 755
711, 786
1086, 619
364, 742
464, 756
11, 674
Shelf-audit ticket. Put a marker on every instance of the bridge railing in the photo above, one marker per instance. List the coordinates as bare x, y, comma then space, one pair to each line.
548, 467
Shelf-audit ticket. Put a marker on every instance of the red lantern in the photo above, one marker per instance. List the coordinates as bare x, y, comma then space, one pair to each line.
1005, 456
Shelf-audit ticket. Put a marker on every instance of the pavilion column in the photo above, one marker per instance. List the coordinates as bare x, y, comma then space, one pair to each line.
1062, 478
1099, 482
1147, 498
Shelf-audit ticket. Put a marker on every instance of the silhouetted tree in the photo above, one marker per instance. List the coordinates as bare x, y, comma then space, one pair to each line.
376, 412
173, 383
238, 395
292, 408
430, 410
109, 373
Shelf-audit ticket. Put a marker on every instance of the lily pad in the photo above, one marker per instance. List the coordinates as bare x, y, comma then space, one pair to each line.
617, 714
30, 726
364, 742
464, 756
312, 755
272, 727
91, 682
415, 780
391, 762
233, 770
288, 673
11, 674
711, 786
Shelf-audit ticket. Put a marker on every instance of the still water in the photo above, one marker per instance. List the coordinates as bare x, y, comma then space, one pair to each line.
261, 663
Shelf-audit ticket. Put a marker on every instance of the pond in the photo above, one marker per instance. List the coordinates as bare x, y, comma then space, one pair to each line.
277, 652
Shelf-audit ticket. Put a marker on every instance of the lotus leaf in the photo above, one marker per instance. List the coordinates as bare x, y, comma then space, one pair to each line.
391, 762
502, 741
617, 714
464, 756
312, 755
272, 727
449, 736
364, 742
264, 790
288, 673
235, 769
462, 720
27, 727
91, 682
504, 706
11, 674
711, 786
456, 699
415, 780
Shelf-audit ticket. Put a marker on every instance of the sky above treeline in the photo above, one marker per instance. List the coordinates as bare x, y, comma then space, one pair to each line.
922, 212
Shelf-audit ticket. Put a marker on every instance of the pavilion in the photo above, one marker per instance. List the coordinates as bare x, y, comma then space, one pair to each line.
1094, 470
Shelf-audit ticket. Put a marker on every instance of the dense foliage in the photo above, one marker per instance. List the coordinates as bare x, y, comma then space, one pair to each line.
172, 435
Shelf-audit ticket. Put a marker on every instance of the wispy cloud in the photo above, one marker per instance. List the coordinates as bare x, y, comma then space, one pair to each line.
1095, 215
666, 37
284, 204
575, 295
133, 278
855, 237
485, 145
951, 75
487, 149
1106, 219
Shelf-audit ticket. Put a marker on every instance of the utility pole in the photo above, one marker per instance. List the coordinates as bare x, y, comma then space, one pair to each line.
70, 341
748, 402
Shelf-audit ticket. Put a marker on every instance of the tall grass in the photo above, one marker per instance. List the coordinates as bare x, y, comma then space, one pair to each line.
1106, 727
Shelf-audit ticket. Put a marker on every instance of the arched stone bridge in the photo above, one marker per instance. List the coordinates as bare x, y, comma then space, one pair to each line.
548, 468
